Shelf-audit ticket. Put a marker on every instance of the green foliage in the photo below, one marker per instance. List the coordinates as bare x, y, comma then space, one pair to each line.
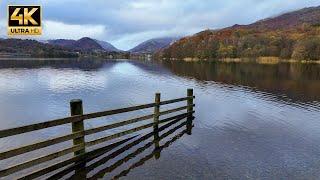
226, 51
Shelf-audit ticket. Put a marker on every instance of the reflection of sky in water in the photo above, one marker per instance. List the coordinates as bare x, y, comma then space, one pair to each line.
15, 81
71, 80
238, 128
126, 69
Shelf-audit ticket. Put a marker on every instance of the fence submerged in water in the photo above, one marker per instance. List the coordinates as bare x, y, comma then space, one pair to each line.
81, 156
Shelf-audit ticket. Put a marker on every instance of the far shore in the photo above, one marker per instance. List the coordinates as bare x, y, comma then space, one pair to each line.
259, 60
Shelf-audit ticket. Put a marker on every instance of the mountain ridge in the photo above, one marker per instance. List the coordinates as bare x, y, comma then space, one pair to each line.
32, 48
84, 43
153, 45
107, 46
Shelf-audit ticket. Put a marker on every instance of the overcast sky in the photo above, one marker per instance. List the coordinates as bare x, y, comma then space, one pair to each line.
125, 23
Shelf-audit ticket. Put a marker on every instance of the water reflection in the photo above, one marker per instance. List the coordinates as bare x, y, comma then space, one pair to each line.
253, 121
95, 165
299, 82
30, 63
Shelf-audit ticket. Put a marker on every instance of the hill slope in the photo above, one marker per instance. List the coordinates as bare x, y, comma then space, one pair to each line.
84, 44
153, 45
290, 20
32, 48
107, 46
294, 35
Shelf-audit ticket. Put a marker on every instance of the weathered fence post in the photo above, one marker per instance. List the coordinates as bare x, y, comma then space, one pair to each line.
156, 123
189, 110
77, 109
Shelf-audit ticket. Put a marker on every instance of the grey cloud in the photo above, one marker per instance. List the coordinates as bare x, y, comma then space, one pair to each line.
136, 20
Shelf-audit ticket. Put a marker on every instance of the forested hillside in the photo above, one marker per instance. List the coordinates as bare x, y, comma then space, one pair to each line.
32, 48
295, 35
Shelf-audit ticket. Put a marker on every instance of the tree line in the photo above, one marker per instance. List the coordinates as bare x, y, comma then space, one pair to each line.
302, 43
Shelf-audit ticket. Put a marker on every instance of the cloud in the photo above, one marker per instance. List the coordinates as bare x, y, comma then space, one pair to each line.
54, 29
126, 23
3, 28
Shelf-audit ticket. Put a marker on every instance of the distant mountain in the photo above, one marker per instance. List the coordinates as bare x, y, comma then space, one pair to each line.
32, 48
293, 35
85, 44
60, 48
153, 45
107, 46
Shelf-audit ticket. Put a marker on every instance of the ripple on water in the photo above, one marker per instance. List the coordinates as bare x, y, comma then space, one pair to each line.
241, 130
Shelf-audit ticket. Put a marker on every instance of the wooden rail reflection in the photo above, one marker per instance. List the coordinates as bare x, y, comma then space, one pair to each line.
82, 155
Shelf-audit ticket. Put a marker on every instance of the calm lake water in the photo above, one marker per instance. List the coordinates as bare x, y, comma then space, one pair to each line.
252, 121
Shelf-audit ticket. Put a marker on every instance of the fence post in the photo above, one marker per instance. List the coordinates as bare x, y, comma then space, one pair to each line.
77, 109
156, 123
189, 110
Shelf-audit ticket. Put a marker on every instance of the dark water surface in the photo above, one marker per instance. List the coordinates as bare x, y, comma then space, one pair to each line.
252, 121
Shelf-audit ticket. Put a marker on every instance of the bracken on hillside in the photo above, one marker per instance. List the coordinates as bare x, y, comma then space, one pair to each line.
294, 35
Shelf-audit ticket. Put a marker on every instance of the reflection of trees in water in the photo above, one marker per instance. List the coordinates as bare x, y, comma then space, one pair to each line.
149, 67
297, 81
82, 64
300, 82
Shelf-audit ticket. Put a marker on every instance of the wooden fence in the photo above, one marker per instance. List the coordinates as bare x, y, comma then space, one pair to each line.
78, 134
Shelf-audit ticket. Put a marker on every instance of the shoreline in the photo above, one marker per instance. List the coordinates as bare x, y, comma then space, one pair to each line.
258, 60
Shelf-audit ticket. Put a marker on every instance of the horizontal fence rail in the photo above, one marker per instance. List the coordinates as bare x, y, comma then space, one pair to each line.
77, 120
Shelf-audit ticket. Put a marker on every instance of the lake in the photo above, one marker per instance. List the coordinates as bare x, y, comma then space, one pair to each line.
252, 121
